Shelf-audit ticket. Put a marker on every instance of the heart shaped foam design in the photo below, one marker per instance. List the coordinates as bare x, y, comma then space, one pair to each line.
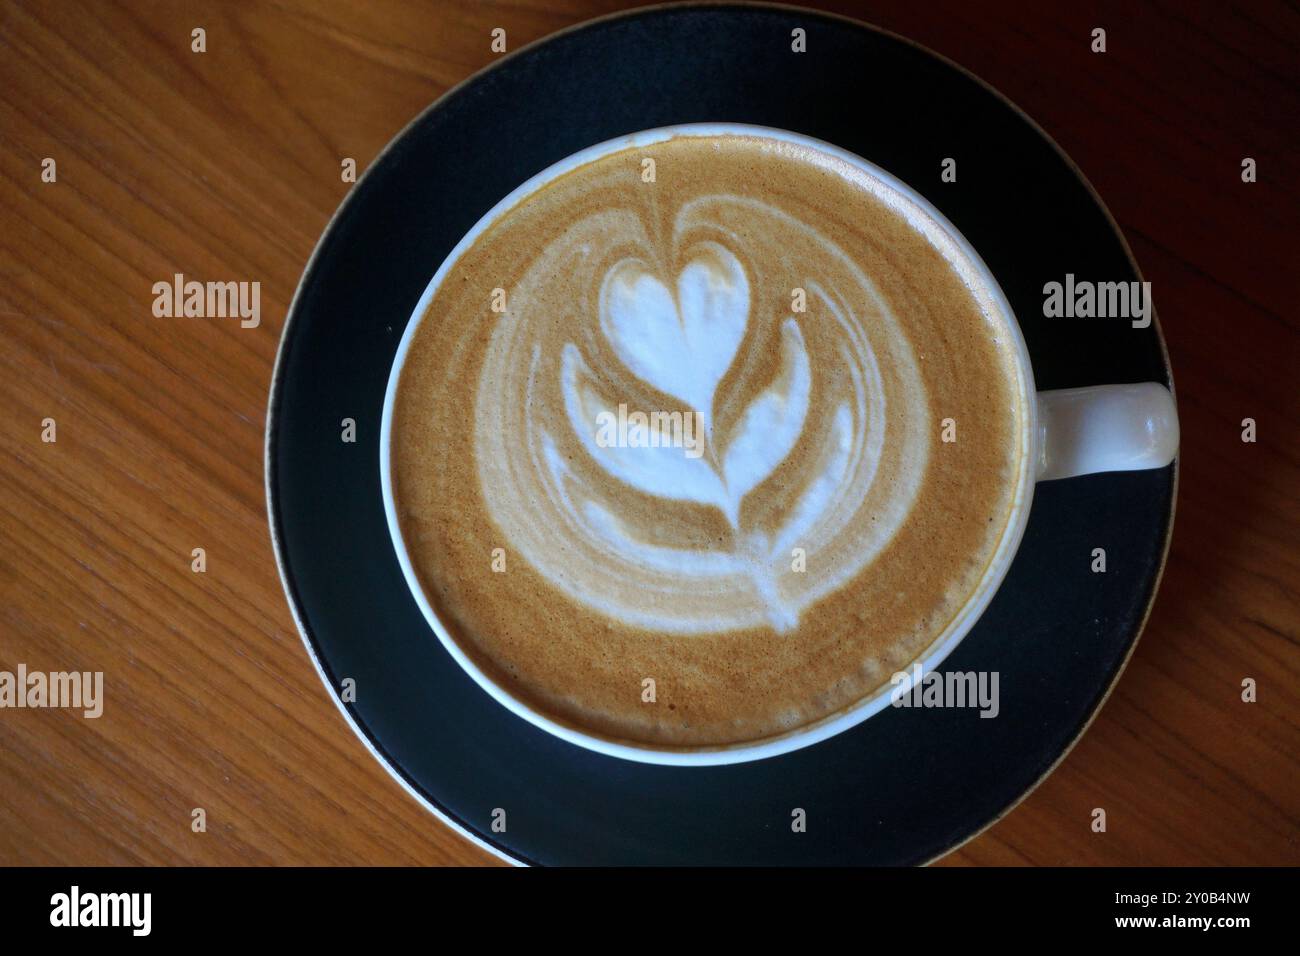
765, 434
573, 503
681, 345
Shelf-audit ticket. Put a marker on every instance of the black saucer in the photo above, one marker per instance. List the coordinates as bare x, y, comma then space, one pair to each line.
906, 785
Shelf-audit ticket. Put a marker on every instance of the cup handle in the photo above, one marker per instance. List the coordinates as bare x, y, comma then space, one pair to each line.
1082, 431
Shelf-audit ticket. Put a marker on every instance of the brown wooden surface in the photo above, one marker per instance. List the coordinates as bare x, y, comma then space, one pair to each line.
225, 165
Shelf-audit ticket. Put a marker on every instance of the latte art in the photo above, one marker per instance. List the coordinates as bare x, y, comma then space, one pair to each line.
691, 320
690, 488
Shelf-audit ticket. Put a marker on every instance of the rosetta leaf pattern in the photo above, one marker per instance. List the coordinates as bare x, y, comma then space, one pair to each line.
682, 342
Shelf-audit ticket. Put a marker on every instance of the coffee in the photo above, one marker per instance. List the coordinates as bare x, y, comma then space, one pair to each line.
697, 451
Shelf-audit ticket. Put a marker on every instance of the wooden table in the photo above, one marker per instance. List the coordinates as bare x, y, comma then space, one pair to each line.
226, 164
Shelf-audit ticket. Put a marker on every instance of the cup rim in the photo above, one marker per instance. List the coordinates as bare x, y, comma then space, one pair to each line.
983, 285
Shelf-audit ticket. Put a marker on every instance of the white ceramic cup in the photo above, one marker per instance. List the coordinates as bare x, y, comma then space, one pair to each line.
1064, 433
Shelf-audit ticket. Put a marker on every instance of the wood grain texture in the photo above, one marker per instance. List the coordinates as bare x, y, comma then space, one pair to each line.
225, 165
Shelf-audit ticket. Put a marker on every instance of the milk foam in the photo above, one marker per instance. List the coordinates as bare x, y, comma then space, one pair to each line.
795, 412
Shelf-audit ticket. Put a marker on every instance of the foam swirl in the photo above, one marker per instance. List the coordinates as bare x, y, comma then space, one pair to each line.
815, 424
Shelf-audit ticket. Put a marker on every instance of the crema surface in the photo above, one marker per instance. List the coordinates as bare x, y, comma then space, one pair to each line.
704, 443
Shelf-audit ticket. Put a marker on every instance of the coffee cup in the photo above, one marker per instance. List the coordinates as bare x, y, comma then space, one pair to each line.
680, 325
